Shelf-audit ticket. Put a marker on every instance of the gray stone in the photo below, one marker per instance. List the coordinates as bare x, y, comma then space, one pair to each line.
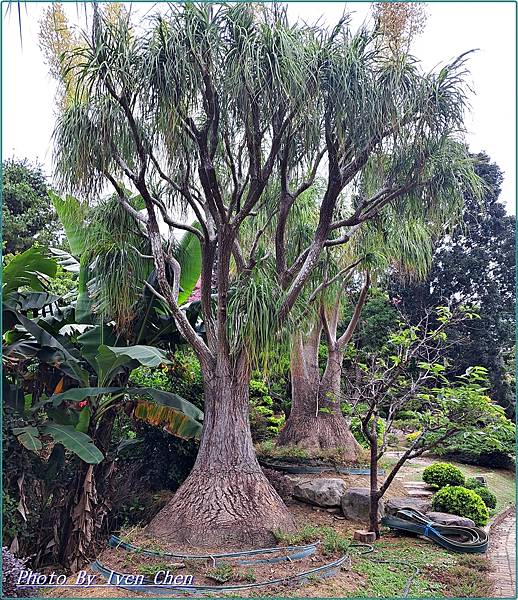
395, 504
320, 492
447, 519
481, 479
356, 505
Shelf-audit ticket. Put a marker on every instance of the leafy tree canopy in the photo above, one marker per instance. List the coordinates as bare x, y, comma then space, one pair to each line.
476, 264
26, 212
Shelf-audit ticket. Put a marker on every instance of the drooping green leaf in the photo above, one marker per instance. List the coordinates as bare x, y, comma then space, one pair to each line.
76, 441
28, 269
189, 257
28, 436
25, 301
111, 358
71, 366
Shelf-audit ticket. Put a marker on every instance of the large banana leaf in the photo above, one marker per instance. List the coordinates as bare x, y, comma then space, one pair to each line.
28, 437
72, 215
189, 257
84, 311
77, 395
170, 400
171, 420
44, 338
66, 260
28, 269
91, 339
37, 301
110, 359
76, 441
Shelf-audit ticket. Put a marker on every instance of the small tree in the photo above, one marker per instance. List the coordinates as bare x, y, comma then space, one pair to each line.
409, 373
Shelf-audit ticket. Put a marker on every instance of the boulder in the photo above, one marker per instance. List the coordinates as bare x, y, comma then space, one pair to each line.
320, 492
356, 505
447, 519
394, 504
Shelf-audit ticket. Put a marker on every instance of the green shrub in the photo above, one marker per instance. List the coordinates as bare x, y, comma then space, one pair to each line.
487, 496
264, 423
406, 415
487, 447
153, 377
458, 500
473, 484
356, 430
440, 475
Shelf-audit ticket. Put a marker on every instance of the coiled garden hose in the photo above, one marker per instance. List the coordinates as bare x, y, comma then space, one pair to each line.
452, 537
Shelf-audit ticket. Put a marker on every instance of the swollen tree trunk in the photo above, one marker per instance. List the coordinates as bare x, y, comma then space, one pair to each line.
226, 501
316, 421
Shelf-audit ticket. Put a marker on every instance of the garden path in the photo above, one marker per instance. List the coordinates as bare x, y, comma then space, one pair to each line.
502, 556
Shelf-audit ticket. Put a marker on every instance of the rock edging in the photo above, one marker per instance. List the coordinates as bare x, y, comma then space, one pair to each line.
499, 517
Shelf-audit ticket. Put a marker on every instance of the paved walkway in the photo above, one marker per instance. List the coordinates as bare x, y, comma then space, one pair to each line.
502, 555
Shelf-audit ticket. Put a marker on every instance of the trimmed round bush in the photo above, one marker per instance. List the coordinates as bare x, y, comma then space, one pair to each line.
460, 501
442, 474
488, 497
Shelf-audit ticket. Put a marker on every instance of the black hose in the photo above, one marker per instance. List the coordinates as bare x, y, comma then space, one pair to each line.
472, 539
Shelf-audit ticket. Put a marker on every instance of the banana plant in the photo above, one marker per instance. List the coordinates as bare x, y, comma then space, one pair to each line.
94, 365
24, 291
107, 237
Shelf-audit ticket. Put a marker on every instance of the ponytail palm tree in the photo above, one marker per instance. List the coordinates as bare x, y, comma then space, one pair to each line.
395, 245
208, 108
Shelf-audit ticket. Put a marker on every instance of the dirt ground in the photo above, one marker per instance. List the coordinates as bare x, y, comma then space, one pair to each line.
348, 581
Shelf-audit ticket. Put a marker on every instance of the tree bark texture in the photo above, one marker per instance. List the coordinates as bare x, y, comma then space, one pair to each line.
316, 421
226, 501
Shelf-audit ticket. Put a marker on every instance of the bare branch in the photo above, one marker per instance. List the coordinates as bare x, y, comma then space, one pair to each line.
345, 338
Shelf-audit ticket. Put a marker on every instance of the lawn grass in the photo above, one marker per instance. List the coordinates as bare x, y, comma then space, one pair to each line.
500, 481
386, 572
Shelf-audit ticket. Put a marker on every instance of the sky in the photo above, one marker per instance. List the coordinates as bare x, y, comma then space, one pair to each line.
28, 91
